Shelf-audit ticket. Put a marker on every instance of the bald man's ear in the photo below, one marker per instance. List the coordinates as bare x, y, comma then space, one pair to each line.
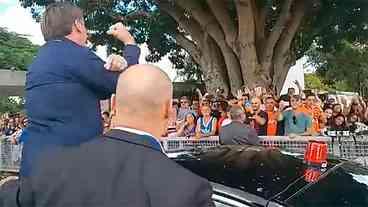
167, 109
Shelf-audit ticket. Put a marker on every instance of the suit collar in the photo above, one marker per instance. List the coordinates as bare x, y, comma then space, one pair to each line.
134, 131
143, 139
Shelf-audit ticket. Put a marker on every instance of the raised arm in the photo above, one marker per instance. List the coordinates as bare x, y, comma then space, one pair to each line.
102, 77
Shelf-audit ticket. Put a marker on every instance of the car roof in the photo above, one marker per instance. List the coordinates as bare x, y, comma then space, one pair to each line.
270, 174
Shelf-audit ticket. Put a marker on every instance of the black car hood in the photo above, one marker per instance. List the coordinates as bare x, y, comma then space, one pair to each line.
268, 173
347, 185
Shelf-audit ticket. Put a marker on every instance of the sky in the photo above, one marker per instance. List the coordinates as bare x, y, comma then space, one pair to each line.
17, 19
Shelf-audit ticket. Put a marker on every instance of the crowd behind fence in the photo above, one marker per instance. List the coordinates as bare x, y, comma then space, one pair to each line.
354, 148
10, 155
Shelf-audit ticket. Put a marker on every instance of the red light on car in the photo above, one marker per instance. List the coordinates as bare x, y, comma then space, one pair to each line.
312, 175
316, 153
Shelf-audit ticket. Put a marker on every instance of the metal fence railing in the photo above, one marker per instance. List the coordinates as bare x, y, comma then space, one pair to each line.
10, 155
182, 144
297, 144
353, 148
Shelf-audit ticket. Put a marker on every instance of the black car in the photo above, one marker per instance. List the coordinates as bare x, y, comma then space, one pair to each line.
256, 176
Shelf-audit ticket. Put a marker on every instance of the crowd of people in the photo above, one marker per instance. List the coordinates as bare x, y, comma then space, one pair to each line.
291, 114
12, 126
203, 116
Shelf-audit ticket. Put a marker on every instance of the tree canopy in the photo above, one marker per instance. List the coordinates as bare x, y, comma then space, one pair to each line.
234, 42
16, 51
11, 105
347, 62
315, 81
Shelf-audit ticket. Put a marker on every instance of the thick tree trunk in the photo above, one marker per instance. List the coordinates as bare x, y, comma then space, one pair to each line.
213, 66
246, 49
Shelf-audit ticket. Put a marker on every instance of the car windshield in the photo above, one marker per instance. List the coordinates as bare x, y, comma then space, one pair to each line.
262, 172
346, 186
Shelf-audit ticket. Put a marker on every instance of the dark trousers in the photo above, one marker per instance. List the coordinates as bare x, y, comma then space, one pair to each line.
8, 193
16, 193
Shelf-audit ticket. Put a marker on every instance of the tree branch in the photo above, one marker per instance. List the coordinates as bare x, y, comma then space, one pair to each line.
277, 31
260, 21
283, 46
246, 39
205, 19
288, 35
210, 25
187, 24
189, 46
246, 23
219, 10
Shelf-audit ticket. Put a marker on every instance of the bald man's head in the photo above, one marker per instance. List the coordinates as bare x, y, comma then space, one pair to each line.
143, 94
256, 103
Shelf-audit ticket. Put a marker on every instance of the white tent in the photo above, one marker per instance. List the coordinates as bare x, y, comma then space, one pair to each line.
296, 72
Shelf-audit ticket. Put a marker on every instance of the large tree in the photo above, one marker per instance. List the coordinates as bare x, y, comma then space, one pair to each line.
235, 42
347, 62
16, 51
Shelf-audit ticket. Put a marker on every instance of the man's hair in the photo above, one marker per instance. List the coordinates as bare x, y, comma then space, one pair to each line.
310, 95
296, 97
106, 113
270, 98
236, 112
257, 99
58, 19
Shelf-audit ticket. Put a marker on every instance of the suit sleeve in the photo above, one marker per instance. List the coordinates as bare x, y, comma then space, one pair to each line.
93, 74
253, 137
221, 137
131, 54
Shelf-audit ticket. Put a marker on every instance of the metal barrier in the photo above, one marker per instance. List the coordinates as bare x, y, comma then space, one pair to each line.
354, 148
297, 144
182, 144
10, 155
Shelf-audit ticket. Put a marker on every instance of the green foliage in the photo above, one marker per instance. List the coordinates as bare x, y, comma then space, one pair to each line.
15, 51
187, 70
312, 81
341, 86
345, 66
11, 105
316, 81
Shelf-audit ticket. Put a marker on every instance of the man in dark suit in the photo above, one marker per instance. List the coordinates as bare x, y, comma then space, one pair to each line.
66, 82
237, 132
126, 166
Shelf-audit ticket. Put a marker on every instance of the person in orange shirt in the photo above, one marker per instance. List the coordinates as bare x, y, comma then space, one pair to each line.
273, 115
314, 111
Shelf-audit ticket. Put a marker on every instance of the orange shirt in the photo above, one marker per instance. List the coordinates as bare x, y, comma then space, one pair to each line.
315, 113
272, 124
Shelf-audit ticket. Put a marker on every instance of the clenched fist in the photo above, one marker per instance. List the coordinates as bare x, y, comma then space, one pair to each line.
120, 32
116, 63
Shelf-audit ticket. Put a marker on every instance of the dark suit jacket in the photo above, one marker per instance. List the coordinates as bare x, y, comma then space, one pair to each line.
238, 133
118, 169
64, 86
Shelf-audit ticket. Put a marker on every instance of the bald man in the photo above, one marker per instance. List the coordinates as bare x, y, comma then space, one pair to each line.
257, 118
127, 165
237, 132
